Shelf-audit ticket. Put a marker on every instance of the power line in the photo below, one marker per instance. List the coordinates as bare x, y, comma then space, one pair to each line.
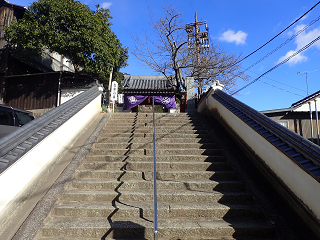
279, 64
277, 34
281, 45
279, 83
284, 43
280, 88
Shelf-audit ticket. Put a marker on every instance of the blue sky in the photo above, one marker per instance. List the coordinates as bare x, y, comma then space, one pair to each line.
239, 27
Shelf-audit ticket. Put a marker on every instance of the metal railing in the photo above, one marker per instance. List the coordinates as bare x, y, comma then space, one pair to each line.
19, 142
303, 152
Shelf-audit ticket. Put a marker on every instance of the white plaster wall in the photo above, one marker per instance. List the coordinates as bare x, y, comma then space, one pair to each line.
305, 107
306, 188
66, 95
15, 181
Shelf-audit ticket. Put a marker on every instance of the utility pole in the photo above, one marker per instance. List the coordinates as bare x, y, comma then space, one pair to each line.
310, 109
198, 40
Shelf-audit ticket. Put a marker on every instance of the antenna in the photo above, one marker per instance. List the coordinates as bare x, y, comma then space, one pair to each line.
306, 73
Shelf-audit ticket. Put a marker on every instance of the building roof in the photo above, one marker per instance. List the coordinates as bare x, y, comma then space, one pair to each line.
145, 85
295, 105
69, 80
18, 10
306, 99
8, 4
277, 110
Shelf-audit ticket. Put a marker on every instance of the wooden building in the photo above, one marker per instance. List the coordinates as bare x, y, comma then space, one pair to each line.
8, 13
139, 90
302, 117
41, 83
44, 90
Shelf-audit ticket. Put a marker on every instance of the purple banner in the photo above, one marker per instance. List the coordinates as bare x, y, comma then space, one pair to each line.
166, 101
131, 101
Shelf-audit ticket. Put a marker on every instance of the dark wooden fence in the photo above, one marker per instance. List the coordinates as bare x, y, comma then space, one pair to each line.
36, 91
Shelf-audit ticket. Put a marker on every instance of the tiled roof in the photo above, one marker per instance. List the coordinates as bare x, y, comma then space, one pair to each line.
306, 99
147, 85
8, 4
295, 105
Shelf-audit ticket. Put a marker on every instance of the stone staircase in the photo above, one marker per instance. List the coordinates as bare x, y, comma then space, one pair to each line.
111, 194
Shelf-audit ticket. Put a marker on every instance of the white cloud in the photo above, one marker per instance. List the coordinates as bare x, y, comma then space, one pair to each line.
276, 27
305, 38
231, 36
302, 40
106, 5
299, 58
304, 17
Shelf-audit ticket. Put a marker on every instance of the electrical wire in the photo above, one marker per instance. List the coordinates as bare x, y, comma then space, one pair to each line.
277, 34
277, 48
284, 43
278, 82
279, 64
281, 88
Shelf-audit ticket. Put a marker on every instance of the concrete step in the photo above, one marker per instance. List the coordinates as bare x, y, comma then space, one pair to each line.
172, 121
148, 175
111, 194
140, 138
145, 158
149, 145
157, 130
207, 238
160, 125
136, 210
161, 166
180, 228
142, 195
137, 129
161, 115
141, 122
149, 136
156, 117
166, 118
128, 152
172, 185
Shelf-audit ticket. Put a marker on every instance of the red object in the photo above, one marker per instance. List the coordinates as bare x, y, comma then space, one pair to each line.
182, 107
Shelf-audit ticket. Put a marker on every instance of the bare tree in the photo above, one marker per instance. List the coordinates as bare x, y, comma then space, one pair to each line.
169, 53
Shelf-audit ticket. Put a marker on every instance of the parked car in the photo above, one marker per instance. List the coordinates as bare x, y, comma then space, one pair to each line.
13, 118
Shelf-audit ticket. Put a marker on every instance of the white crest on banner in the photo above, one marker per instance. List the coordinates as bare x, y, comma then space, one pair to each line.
165, 100
132, 100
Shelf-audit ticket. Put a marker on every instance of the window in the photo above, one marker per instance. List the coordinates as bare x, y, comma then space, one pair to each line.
6, 117
284, 123
23, 118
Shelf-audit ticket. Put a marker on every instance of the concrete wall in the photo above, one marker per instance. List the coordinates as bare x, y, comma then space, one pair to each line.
305, 188
17, 180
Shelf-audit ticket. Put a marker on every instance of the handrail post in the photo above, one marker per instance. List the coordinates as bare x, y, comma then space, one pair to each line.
154, 179
315, 106
311, 122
